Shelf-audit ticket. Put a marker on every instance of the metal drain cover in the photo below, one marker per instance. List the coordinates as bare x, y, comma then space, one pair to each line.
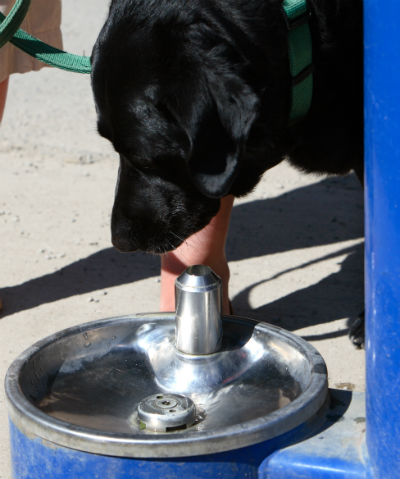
166, 412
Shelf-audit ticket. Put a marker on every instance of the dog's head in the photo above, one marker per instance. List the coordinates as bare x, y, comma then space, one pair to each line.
172, 97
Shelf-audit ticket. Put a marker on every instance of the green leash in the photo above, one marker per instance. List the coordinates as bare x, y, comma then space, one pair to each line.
299, 39
9, 31
14, 19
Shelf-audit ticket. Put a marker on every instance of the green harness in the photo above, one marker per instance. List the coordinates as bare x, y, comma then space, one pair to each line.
300, 57
299, 41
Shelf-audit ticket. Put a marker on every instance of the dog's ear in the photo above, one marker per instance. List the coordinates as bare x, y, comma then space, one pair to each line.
221, 134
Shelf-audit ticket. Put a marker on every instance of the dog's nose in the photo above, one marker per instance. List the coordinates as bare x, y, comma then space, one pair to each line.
122, 243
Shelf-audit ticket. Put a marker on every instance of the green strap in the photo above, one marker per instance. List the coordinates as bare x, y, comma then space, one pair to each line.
33, 46
300, 57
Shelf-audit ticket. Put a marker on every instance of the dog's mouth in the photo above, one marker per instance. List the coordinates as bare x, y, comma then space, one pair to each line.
154, 245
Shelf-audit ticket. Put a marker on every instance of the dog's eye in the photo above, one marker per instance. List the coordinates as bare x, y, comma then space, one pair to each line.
139, 162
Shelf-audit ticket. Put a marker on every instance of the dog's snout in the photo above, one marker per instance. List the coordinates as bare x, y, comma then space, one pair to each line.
121, 232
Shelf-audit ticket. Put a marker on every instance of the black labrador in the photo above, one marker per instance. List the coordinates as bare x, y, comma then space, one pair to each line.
195, 97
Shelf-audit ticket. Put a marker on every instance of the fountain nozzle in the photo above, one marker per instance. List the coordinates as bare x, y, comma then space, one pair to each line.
198, 295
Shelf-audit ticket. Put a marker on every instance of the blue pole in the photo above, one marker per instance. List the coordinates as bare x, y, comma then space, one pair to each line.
382, 132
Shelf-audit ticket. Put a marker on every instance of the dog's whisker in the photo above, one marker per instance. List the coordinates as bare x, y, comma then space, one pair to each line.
180, 238
177, 236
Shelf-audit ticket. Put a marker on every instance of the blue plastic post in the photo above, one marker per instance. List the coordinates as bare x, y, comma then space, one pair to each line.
382, 131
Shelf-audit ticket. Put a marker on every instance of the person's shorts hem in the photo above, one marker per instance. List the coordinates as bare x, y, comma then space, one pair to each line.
13, 60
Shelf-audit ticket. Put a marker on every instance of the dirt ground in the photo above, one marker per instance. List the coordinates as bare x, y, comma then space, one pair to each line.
295, 245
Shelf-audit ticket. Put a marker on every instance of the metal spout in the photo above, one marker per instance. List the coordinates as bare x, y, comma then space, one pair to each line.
198, 296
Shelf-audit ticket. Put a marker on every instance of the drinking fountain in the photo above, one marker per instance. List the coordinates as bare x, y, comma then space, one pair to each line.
183, 393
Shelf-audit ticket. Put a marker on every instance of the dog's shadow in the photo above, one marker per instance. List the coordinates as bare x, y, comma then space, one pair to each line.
339, 295
323, 213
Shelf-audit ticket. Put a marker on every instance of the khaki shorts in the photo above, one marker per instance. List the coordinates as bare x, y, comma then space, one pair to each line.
43, 21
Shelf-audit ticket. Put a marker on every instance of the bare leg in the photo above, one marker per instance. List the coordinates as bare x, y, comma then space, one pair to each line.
3, 96
205, 247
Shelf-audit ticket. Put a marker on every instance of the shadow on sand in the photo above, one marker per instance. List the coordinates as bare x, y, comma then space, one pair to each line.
323, 213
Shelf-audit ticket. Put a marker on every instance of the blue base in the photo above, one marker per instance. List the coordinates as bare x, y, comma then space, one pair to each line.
39, 459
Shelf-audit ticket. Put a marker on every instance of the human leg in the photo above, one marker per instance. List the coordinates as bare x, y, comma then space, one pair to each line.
204, 247
3, 96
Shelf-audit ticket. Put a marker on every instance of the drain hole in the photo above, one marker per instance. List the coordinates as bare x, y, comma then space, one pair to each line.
166, 403
160, 396
175, 428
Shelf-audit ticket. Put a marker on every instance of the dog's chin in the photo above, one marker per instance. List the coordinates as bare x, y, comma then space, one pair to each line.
127, 245
161, 248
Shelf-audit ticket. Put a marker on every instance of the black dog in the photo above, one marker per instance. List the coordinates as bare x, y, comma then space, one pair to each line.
195, 97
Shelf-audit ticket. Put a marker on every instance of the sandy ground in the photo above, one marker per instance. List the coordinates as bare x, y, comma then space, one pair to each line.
295, 245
